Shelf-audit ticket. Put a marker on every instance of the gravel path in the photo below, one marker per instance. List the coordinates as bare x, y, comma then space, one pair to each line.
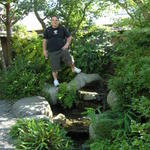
6, 121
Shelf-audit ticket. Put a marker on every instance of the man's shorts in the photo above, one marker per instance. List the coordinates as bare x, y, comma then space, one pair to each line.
56, 58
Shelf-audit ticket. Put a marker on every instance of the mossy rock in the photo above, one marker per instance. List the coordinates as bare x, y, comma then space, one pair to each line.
113, 101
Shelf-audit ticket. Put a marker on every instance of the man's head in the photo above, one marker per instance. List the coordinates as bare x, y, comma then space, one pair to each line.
54, 21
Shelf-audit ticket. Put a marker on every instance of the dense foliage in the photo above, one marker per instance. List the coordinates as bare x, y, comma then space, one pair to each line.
39, 135
138, 11
92, 50
28, 72
132, 58
128, 128
66, 96
137, 139
131, 83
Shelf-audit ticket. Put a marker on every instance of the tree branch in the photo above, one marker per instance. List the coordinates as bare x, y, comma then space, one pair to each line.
2, 3
84, 11
38, 16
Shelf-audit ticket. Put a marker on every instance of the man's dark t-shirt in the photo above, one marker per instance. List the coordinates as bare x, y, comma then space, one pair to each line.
55, 38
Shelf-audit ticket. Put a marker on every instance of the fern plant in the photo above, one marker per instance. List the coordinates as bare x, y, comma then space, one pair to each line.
39, 135
66, 96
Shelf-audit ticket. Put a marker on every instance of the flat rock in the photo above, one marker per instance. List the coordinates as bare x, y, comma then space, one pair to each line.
86, 95
31, 106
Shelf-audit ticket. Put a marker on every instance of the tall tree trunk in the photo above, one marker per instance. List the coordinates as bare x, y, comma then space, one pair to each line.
3, 54
8, 30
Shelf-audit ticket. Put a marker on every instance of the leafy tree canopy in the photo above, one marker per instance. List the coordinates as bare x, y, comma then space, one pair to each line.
138, 10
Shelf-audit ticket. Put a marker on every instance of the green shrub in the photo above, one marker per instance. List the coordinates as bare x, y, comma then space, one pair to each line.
23, 78
92, 51
138, 138
131, 83
66, 96
29, 70
132, 59
104, 123
39, 135
99, 145
141, 107
66, 74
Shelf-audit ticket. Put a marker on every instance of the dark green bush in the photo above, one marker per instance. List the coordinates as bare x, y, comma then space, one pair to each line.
66, 74
92, 51
66, 96
131, 83
132, 58
29, 70
23, 79
141, 107
39, 135
104, 123
138, 138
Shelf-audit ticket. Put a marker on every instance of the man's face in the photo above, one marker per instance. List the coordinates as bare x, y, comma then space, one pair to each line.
54, 22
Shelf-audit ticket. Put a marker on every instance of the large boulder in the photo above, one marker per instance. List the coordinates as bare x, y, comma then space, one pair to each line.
79, 81
82, 79
39, 117
32, 107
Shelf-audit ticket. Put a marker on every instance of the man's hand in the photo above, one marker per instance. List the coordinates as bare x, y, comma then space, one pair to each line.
65, 47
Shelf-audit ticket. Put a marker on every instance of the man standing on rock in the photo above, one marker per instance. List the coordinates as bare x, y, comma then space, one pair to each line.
56, 41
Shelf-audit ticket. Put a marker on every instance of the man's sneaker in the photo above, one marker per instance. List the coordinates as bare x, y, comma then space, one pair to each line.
56, 83
76, 70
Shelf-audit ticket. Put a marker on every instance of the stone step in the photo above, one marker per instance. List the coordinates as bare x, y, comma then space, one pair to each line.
87, 95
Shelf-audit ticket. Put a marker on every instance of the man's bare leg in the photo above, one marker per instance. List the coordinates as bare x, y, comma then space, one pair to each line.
55, 76
72, 67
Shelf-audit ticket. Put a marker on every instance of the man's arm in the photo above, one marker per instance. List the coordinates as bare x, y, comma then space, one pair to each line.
68, 42
44, 48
